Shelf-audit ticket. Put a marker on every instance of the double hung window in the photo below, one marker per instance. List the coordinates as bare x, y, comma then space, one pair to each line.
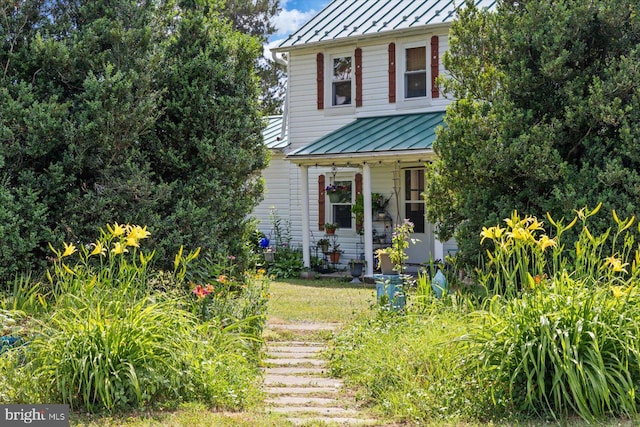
415, 72
341, 80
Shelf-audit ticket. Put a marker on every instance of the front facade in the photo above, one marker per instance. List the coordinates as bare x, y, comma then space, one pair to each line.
363, 107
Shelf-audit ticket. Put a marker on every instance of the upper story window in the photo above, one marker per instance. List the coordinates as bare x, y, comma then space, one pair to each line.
341, 80
415, 72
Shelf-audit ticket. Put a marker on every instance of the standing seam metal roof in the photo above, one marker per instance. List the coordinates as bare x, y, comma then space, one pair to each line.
342, 19
271, 134
378, 134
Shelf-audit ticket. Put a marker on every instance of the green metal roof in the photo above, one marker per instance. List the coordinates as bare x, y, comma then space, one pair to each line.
385, 134
273, 132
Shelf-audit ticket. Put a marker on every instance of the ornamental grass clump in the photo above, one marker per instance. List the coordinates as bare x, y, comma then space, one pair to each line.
110, 337
560, 335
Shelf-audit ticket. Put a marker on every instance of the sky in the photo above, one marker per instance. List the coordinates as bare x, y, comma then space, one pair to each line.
295, 13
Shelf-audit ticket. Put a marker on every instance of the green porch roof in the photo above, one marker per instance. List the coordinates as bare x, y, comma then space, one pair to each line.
401, 133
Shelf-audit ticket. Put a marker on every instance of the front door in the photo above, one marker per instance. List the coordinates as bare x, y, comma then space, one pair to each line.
414, 210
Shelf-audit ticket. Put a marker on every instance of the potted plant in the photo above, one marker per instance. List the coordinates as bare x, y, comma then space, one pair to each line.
323, 245
335, 252
330, 227
379, 204
384, 260
338, 193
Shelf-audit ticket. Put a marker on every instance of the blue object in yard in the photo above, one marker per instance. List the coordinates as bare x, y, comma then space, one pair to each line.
263, 242
7, 342
439, 283
390, 290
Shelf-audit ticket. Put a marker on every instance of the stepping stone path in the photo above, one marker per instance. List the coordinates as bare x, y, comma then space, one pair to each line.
297, 383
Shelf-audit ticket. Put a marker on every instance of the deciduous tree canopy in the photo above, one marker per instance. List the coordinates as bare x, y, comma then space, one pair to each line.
546, 117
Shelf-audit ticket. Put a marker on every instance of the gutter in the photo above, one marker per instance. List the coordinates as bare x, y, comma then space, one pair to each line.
279, 58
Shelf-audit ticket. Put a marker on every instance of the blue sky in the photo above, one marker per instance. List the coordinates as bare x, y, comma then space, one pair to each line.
294, 14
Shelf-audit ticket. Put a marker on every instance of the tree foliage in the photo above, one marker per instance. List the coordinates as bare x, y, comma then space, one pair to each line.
131, 111
546, 116
254, 17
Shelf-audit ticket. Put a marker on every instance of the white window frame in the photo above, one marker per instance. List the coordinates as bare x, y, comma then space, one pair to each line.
329, 206
329, 98
401, 64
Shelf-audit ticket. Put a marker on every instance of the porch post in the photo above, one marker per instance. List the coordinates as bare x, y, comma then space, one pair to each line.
304, 194
368, 220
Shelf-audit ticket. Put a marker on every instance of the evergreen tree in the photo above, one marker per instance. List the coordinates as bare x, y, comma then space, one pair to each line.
546, 116
130, 111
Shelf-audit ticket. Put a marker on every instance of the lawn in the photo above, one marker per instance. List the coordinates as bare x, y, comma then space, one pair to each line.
318, 300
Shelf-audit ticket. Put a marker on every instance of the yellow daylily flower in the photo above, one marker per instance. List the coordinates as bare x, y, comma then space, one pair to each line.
534, 224
131, 241
117, 230
545, 242
520, 233
69, 249
492, 233
138, 232
98, 249
67, 269
616, 264
619, 291
119, 248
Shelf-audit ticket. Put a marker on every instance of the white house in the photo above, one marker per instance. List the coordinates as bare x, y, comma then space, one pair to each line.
362, 109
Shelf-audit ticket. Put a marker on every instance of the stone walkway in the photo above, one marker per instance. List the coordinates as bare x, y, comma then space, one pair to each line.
297, 383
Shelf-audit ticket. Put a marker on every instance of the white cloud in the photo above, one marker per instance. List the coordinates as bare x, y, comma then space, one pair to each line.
288, 21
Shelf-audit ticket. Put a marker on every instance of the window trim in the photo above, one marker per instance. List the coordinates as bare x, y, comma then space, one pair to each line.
401, 101
404, 72
329, 82
329, 205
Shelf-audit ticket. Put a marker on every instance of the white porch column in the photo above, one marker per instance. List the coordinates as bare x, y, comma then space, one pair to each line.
438, 250
368, 220
304, 194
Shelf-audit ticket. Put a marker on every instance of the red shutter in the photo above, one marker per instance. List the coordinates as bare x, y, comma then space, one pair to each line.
358, 77
435, 66
321, 187
320, 80
392, 73
359, 224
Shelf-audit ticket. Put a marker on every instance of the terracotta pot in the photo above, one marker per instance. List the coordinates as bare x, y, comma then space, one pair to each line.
330, 231
334, 257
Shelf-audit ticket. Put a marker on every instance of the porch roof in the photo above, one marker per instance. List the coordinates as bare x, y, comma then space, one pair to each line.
374, 136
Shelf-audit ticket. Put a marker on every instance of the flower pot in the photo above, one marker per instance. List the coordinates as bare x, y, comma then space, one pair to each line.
324, 248
356, 271
385, 265
334, 257
330, 231
335, 197
269, 256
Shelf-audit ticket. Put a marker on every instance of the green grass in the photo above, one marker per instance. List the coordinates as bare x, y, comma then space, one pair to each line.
192, 415
297, 300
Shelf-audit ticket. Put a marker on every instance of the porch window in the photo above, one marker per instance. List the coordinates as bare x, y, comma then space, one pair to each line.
341, 196
415, 72
341, 81
414, 202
